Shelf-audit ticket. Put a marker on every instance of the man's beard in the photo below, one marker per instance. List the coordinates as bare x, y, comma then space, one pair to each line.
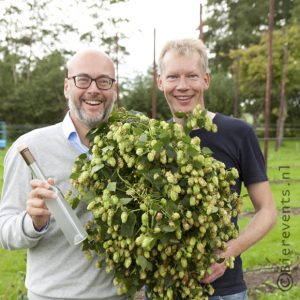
91, 122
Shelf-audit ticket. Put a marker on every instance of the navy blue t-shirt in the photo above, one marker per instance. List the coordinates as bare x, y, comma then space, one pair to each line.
236, 145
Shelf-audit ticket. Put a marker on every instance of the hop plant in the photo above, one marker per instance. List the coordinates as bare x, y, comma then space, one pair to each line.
161, 204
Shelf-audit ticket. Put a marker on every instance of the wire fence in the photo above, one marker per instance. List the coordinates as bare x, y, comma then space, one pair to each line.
16, 130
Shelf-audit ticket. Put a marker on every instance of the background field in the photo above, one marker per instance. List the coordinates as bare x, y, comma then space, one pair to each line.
261, 263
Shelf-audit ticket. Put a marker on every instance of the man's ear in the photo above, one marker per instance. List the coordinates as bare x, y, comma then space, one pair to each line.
206, 80
159, 82
66, 88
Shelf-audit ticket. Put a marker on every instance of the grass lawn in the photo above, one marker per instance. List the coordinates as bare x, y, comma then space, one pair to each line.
293, 294
283, 174
13, 265
267, 252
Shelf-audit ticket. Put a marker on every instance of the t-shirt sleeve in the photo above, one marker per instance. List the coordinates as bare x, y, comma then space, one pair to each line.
253, 168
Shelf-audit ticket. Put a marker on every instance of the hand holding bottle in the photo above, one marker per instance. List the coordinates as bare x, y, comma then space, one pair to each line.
36, 206
54, 200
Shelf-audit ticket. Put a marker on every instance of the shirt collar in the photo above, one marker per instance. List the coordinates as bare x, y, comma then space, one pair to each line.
68, 126
71, 134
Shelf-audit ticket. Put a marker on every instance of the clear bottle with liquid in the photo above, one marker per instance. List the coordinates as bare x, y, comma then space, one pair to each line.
64, 215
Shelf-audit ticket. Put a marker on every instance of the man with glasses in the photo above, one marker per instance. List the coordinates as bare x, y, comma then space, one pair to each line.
56, 270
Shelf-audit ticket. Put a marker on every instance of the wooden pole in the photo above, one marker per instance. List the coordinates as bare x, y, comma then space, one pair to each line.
200, 28
154, 97
117, 70
269, 80
237, 88
283, 103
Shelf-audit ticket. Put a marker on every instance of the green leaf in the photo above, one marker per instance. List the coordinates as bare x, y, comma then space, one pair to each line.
170, 151
174, 241
142, 261
137, 131
127, 229
197, 165
171, 207
125, 201
88, 196
75, 175
82, 156
167, 228
169, 281
214, 209
167, 237
192, 151
143, 138
107, 148
74, 202
112, 186
158, 146
206, 150
96, 168
117, 218
180, 114
164, 136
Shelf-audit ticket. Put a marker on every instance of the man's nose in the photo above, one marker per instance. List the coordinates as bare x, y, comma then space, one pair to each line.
93, 87
182, 83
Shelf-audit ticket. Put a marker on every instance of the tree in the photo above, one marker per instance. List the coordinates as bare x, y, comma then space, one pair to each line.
138, 94
41, 101
31, 77
219, 97
253, 73
231, 26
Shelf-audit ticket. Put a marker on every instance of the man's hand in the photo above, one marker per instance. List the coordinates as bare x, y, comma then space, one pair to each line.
218, 269
36, 206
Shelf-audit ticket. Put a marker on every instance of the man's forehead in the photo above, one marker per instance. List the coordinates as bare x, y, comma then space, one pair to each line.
90, 62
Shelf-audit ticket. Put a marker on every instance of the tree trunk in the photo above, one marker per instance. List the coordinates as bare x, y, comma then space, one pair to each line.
283, 105
237, 89
200, 28
154, 98
117, 70
269, 81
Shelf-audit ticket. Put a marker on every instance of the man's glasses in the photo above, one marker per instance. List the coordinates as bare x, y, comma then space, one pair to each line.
84, 82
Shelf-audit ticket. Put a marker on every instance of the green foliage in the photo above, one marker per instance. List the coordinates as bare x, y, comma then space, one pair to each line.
260, 254
253, 66
161, 204
31, 77
39, 100
106, 28
220, 95
13, 265
294, 293
231, 26
138, 96
285, 156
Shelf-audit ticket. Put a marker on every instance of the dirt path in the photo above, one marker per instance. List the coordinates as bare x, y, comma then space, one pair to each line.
269, 280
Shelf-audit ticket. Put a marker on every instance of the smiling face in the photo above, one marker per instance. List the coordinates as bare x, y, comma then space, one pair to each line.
88, 107
183, 81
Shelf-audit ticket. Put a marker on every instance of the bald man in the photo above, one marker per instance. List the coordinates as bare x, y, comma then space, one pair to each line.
56, 270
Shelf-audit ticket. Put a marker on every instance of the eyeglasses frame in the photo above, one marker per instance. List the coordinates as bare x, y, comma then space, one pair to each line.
93, 79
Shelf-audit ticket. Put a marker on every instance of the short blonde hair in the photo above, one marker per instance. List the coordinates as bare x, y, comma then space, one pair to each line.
184, 47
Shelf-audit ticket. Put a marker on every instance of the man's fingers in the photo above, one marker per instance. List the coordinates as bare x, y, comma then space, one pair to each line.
37, 211
50, 181
217, 271
42, 193
35, 183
